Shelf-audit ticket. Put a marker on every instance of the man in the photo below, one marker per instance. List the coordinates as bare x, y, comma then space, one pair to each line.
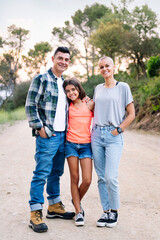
46, 112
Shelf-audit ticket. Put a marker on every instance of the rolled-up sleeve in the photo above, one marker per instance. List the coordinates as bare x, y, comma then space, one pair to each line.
32, 100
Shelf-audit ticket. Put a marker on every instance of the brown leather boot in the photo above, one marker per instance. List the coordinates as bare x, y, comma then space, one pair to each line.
36, 222
58, 211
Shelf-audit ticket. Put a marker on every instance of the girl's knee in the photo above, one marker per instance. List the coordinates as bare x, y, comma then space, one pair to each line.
75, 179
87, 182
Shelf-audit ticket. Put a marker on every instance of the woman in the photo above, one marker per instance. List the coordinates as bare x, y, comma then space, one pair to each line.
113, 100
78, 145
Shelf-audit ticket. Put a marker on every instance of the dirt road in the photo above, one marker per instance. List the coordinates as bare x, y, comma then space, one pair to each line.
139, 214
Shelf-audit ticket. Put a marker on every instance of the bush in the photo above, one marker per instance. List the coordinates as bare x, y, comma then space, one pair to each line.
20, 94
153, 66
147, 98
12, 116
90, 85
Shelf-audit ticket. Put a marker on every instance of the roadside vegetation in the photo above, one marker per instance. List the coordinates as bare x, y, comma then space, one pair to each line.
12, 116
124, 34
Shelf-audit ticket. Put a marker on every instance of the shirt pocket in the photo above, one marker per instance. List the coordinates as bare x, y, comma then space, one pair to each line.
47, 96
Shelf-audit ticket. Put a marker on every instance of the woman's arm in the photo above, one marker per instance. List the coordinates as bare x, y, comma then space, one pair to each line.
130, 117
90, 105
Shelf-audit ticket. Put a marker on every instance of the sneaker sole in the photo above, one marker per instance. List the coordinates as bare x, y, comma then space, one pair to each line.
79, 224
44, 230
101, 224
59, 216
111, 225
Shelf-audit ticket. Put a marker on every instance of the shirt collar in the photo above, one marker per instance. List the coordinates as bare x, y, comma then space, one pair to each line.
53, 76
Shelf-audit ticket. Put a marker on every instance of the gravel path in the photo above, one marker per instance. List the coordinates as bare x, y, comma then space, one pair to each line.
139, 214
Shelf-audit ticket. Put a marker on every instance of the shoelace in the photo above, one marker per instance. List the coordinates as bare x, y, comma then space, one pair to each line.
104, 216
62, 206
79, 215
38, 215
112, 215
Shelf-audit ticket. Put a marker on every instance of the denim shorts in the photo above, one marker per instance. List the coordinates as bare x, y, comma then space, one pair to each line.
80, 150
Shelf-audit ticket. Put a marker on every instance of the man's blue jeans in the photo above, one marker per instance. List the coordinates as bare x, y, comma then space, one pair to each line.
107, 151
50, 158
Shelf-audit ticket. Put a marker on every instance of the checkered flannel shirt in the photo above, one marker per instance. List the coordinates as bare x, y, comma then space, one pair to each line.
41, 102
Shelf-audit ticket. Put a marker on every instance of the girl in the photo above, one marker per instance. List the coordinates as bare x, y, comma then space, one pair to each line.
78, 145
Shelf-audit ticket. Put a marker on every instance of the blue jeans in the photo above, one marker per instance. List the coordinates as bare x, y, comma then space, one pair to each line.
50, 158
80, 150
107, 151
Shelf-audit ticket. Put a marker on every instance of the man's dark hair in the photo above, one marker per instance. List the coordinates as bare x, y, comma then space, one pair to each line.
61, 49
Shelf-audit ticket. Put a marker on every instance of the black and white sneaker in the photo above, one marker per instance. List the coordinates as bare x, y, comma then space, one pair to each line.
82, 210
112, 221
79, 219
102, 222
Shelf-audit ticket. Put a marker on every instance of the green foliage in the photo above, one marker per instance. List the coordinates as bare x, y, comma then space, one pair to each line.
144, 20
20, 94
136, 37
66, 36
109, 39
78, 32
147, 97
153, 66
37, 58
1, 42
8, 104
12, 116
18, 98
10, 62
92, 82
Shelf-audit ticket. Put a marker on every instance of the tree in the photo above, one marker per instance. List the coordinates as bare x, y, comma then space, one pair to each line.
153, 66
66, 36
138, 40
85, 23
1, 42
10, 61
109, 39
142, 40
77, 34
37, 57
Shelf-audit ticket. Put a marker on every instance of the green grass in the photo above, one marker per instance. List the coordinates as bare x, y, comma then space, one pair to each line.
12, 116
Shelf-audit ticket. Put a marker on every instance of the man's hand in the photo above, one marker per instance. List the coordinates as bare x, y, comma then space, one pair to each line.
42, 133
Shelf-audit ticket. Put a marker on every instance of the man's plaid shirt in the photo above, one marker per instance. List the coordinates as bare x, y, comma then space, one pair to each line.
41, 102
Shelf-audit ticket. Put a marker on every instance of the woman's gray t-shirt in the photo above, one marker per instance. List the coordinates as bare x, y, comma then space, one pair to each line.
110, 104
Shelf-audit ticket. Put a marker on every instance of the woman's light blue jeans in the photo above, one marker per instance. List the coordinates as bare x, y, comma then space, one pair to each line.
107, 151
50, 158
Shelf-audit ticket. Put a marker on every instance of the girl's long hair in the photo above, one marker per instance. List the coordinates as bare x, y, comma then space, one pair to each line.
75, 82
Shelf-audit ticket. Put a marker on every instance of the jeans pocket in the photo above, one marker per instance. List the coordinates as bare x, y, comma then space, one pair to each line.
112, 134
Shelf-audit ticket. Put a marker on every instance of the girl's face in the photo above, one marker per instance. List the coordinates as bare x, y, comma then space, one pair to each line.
72, 92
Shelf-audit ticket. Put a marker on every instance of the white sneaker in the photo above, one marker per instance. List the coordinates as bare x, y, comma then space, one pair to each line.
79, 219
102, 222
113, 218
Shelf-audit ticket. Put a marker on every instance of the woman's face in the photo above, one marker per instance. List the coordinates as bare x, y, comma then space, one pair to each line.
106, 67
72, 92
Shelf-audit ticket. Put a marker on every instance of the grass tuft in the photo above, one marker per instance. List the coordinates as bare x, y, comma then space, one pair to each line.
12, 116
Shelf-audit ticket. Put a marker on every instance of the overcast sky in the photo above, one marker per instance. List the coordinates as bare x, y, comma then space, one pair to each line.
40, 16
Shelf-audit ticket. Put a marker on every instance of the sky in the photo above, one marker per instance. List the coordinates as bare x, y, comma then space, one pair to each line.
40, 16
